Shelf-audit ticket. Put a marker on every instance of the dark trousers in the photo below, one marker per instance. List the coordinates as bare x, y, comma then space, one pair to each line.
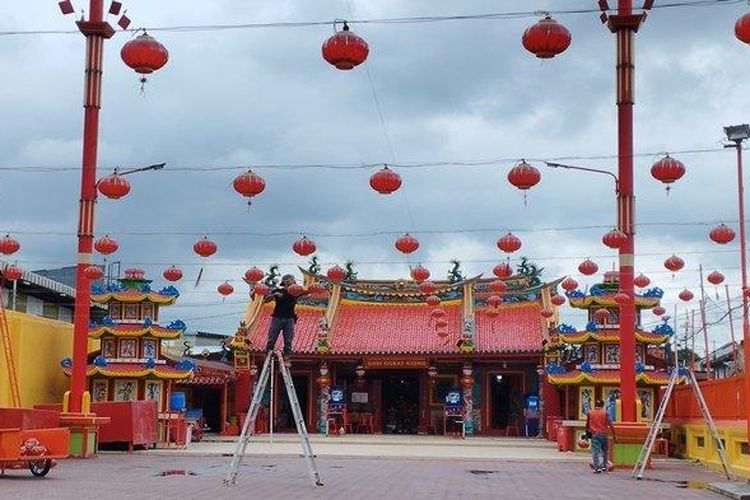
279, 325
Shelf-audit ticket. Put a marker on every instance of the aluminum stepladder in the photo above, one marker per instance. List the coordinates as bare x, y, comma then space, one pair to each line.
244, 439
640, 465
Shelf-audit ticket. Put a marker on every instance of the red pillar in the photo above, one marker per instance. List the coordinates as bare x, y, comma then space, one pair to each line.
96, 31
625, 24
242, 392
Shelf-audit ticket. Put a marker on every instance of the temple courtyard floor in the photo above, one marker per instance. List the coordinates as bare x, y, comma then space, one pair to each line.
358, 467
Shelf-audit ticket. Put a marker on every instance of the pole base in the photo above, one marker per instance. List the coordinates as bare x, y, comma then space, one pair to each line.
84, 429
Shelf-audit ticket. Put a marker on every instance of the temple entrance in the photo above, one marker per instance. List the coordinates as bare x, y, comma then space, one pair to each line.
506, 403
284, 417
400, 403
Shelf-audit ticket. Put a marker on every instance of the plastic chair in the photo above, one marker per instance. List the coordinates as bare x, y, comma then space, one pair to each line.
512, 427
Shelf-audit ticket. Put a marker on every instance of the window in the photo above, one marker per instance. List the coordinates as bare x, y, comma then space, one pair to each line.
700, 441
50, 310
115, 311
131, 311
148, 310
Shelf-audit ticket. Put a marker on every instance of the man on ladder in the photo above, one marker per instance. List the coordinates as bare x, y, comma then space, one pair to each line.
283, 317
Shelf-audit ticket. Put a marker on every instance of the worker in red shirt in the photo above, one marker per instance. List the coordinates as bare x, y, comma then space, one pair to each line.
597, 425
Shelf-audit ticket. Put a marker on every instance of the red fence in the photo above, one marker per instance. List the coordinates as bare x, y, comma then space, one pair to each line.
725, 399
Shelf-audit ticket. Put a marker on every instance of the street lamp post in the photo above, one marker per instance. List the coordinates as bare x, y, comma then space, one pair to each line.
738, 134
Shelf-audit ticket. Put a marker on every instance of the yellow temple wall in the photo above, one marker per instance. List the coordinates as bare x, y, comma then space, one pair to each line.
693, 442
38, 346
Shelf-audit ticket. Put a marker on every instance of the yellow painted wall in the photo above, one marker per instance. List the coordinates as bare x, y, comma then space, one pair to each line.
38, 346
685, 436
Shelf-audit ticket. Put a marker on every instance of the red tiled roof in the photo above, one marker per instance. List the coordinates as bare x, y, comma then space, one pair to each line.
305, 330
517, 328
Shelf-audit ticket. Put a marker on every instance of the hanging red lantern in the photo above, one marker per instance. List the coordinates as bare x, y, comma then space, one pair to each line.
674, 263
336, 273
502, 270
667, 170
419, 273
509, 243
316, 289
261, 289
205, 247
134, 273
601, 315
225, 289
546, 38
742, 28
438, 313
144, 54
345, 50
407, 243
524, 176
659, 311
249, 184
588, 267
106, 245
427, 287
569, 284
715, 278
113, 186
9, 245
621, 298
433, 300
498, 286
93, 273
304, 246
494, 300
492, 313
721, 234
557, 300
295, 290
385, 181
172, 274
12, 273
614, 238
546, 313
641, 281
686, 295
253, 275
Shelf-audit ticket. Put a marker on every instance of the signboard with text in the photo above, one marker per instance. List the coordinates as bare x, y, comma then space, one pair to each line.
383, 363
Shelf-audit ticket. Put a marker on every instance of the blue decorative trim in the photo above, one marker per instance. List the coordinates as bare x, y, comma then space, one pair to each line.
100, 361
169, 291
177, 324
66, 362
574, 294
664, 328
655, 292
555, 369
150, 363
186, 364
147, 321
639, 367
591, 326
107, 321
586, 367
566, 328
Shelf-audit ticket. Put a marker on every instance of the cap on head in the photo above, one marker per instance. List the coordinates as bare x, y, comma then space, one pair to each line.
287, 277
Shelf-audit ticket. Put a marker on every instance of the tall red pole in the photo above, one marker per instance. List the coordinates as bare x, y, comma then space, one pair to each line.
625, 24
96, 31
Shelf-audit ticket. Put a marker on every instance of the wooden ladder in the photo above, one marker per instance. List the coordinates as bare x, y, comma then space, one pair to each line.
10, 362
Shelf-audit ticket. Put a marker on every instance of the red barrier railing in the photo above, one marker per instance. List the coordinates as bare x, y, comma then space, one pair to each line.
725, 399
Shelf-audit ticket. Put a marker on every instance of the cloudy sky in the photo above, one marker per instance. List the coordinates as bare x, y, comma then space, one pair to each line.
453, 92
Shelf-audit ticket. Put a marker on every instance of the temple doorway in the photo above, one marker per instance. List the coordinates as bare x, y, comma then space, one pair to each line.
284, 417
506, 403
400, 403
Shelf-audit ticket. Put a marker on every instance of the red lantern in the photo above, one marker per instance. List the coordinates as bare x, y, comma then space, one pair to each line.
742, 28
557, 300
524, 176
336, 273
93, 273
686, 295
385, 181
674, 263
225, 289
345, 50
433, 300
317, 289
667, 170
509, 243
588, 267
144, 54
569, 284
253, 275
492, 313
715, 278
113, 186
498, 286
304, 246
641, 281
438, 313
659, 311
249, 184
295, 290
494, 300
502, 270
9, 245
106, 245
134, 273
621, 298
205, 247
546, 39
419, 273
614, 238
12, 273
721, 234
601, 315
427, 287
172, 274
261, 289
407, 244
546, 313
